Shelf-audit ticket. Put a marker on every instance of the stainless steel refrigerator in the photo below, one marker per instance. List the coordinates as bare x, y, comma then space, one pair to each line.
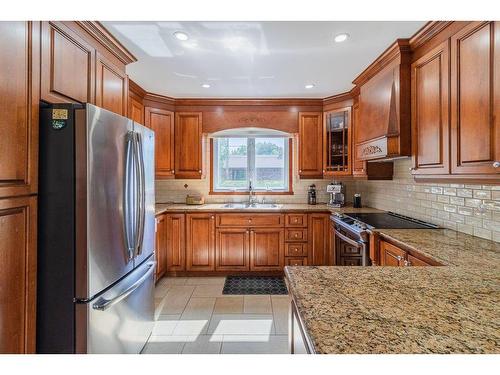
95, 231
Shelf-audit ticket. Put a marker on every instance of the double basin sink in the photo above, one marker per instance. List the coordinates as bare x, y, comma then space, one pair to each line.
254, 206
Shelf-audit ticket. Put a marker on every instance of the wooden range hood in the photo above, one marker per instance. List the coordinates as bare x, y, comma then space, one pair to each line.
384, 105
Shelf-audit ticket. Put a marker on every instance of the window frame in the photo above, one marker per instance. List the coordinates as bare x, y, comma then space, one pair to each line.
250, 151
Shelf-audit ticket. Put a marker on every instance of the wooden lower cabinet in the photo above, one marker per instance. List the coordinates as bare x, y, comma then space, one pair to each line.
266, 249
18, 274
414, 261
161, 245
200, 242
176, 244
391, 255
319, 239
232, 249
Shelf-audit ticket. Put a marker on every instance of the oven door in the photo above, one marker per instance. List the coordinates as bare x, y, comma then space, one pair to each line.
349, 251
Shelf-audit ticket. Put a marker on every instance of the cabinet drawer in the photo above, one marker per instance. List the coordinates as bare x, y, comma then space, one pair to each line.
296, 220
296, 235
350, 261
349, 250
301, 261
250, 220
295, 249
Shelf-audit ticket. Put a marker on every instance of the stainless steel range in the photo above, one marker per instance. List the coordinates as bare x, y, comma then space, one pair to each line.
352, 233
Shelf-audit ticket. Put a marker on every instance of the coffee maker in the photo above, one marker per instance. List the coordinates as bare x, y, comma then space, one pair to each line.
337, 194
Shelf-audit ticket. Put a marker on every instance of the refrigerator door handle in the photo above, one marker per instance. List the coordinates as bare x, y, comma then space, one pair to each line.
142, 194
128, 219
103, 304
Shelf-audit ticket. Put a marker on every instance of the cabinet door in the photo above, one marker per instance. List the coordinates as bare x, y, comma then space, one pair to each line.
19, 100
176, 245
161, 246
337, 143
319, 239
111, 87
232, 249
200, 242
310, 145
162, 122
413, 261
475, 93
391, 255
267, 249
358, 166
430, 123
68, 66
17, 275
188, 145
136, 110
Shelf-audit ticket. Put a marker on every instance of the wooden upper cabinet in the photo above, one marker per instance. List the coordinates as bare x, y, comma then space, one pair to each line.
188, 145
67, 66
337, 142
475, 99
267, 249
358, 166
200, 242
384, 105
19, 100
136, 110
430, 120
176, 242
111, 87
310, 145
232, 249
161, 245
17, 274
162, 122
319, 239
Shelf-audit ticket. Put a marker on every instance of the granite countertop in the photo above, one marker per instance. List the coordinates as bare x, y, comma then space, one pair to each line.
453, 308
211, 207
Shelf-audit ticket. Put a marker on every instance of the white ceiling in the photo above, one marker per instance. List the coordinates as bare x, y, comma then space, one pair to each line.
253, 59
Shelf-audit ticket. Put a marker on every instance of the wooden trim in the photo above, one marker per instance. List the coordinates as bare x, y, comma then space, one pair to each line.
290, 176
248, 102
136, 89
160, 98
104, 37
338, 98
395, 50
427, 32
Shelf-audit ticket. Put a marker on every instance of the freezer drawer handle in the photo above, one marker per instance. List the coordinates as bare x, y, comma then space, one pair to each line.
103, 304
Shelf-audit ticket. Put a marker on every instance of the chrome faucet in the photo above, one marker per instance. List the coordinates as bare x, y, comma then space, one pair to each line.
251, 194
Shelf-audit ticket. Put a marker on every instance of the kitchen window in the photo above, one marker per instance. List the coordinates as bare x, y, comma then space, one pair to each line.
262, 161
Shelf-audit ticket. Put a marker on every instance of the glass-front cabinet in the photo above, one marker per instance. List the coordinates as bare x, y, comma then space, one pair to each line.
337, 138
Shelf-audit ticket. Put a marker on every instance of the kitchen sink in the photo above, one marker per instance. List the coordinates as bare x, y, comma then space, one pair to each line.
263, 206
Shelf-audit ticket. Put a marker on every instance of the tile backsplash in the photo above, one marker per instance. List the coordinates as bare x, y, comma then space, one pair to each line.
472, 209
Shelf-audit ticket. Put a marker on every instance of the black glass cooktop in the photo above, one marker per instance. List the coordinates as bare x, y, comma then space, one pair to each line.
390, 220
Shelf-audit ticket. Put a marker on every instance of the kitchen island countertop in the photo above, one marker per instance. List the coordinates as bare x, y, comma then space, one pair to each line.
453, 308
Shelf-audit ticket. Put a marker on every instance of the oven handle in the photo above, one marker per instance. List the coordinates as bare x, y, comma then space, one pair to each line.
347, 239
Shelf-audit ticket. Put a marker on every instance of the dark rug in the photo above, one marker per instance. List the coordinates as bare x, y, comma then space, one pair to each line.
254, 285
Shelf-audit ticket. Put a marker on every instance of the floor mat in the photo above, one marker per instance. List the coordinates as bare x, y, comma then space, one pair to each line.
254, 285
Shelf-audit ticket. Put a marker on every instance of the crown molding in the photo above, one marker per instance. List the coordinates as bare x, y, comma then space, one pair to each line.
160, 98
399, 49
103, 36
427, 32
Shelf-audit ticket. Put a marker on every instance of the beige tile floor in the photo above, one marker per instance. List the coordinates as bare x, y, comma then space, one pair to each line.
194, 317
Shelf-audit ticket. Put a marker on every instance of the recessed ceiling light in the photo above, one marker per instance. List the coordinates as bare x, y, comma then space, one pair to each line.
181, 35
205, 85
310, 86
341, 37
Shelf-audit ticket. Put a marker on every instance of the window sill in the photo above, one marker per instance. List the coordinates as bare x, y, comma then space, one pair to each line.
231, 192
